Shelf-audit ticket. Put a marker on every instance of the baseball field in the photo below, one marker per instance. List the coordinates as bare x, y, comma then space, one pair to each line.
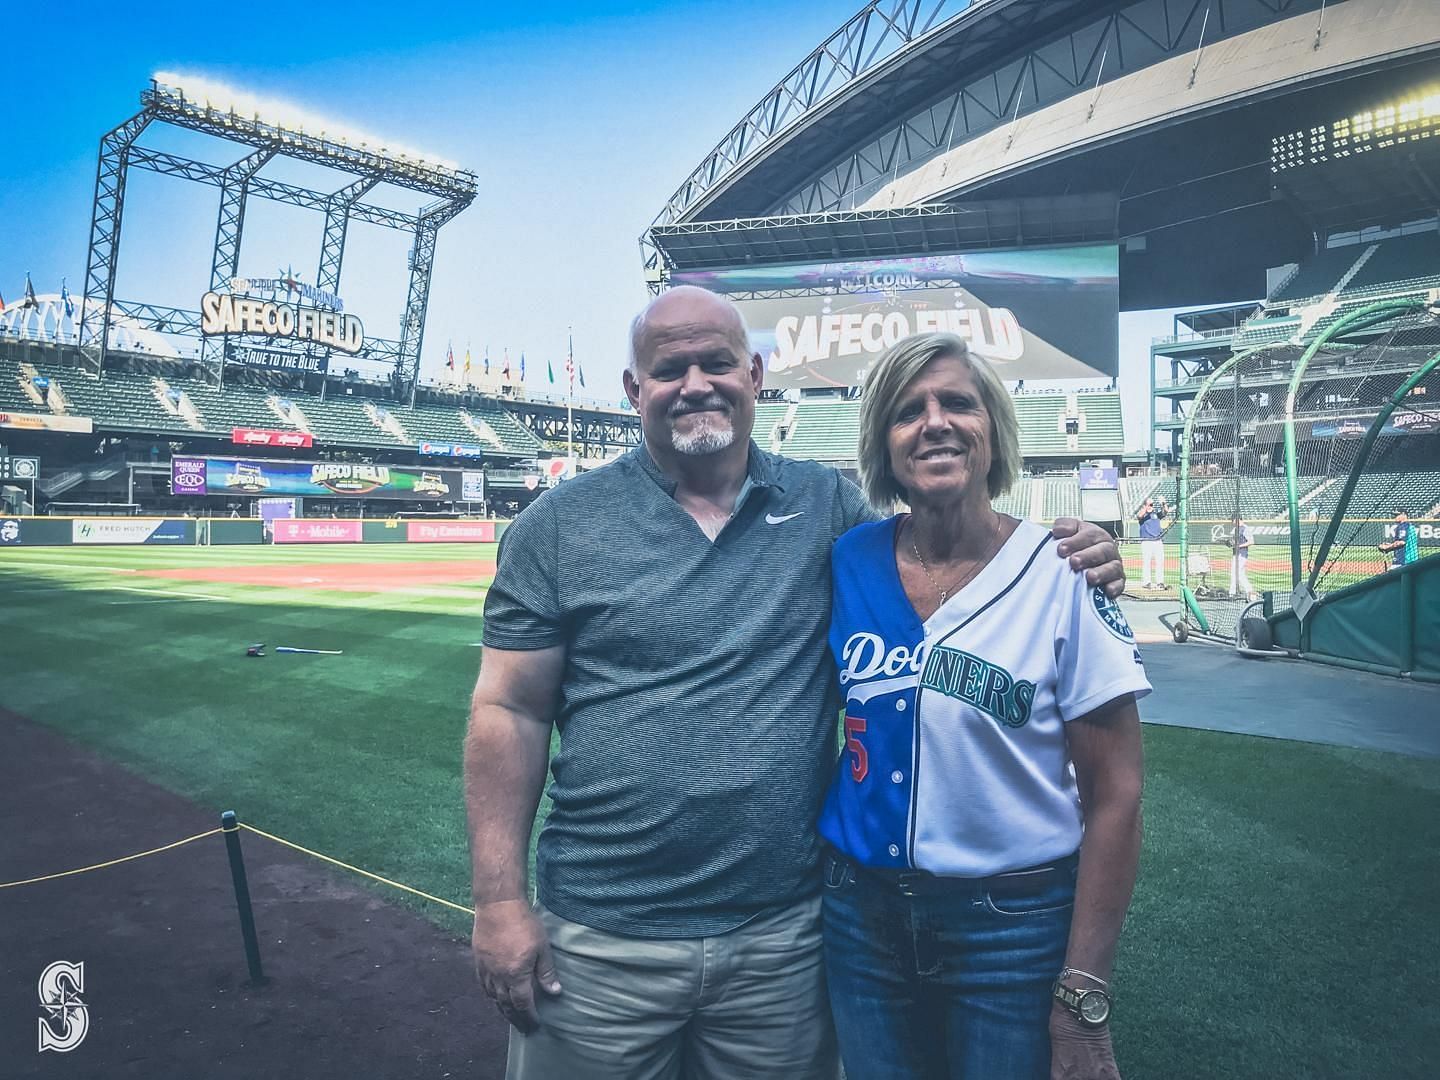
1284, 923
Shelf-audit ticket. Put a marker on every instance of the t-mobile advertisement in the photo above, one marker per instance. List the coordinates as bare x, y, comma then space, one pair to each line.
319, 531
1034, 314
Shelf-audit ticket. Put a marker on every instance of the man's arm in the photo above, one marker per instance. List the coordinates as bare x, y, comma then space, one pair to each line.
507, 747
1090, 548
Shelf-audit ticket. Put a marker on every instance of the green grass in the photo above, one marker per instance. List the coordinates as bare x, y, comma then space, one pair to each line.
1284, 924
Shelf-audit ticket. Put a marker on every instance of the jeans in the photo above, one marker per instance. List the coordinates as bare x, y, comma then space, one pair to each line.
943, 985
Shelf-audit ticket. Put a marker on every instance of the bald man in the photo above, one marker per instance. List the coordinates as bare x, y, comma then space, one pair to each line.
668, 615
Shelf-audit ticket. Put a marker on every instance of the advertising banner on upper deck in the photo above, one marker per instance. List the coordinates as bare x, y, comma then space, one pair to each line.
1034, 313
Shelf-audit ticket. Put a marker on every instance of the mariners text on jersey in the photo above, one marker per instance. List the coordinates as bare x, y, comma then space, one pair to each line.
954, 727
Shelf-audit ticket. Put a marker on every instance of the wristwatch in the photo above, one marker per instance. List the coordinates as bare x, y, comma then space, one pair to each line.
1091, 1005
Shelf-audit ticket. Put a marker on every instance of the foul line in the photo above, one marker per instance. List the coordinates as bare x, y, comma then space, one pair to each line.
111, 862
165, 593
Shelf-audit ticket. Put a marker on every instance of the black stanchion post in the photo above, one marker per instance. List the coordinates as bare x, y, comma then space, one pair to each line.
231, 828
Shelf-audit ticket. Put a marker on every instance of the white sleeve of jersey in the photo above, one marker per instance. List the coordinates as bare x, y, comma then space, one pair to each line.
1095, 655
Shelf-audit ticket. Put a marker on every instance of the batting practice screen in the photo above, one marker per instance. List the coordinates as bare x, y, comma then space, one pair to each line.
1035, 314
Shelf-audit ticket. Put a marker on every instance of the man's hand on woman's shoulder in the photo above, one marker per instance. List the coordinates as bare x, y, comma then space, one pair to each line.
1092, 549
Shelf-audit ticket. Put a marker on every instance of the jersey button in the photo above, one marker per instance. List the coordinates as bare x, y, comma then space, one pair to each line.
894, 850
897, 777
900, 704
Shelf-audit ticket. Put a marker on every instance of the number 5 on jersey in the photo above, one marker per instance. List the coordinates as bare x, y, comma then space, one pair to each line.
860, 761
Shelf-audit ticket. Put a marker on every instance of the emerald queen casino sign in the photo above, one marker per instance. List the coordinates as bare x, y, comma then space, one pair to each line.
1034, 314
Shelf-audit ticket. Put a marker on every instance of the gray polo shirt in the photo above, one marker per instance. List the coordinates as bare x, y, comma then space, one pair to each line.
699, 703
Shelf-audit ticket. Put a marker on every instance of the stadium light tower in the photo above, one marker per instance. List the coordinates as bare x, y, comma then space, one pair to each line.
267, 130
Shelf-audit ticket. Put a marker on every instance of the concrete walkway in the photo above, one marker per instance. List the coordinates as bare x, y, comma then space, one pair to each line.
1199, 685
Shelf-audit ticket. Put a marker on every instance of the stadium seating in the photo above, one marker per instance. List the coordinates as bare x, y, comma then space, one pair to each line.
827, 429
1381, 494
1042, 419
1401, 262
128, 401
1319, 274
767, 415
1062, 497
1016, 501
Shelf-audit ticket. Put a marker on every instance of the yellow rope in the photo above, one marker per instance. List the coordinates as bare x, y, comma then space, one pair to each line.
258, 832
356, 869
112, 862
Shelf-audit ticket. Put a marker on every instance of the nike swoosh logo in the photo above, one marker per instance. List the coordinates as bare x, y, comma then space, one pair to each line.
771, 519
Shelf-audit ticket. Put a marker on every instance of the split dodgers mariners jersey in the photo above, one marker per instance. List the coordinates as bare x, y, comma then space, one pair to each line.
955, 759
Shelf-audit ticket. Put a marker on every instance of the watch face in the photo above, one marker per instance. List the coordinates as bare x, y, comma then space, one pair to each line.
1094, 1007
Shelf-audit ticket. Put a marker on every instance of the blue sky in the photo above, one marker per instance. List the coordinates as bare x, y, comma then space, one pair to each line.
579, 121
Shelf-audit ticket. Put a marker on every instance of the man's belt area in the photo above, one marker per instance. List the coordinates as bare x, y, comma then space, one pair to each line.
1014, 883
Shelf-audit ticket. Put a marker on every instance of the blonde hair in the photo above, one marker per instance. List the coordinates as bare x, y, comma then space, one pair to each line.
897, 368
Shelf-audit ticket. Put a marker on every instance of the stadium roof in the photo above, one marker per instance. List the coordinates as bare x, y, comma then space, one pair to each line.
887, 58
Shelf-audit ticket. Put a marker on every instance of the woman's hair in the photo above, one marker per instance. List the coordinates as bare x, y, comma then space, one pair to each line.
900, 365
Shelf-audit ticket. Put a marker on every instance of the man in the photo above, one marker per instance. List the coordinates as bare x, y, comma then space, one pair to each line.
1152, 546
668, 614
1239, 557
1404, 543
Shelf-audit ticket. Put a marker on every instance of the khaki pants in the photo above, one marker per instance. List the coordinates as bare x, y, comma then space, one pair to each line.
747, 1004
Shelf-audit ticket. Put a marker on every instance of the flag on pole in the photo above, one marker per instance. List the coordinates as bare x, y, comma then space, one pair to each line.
522, 365
65, 300
505, 371
467, 364
550, 371
487, 361
449, 357
2, 301
581, 370
30, 301
570, 363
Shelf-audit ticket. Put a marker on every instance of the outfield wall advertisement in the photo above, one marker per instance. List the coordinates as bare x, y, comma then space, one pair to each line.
315, 531
113, 530
325, 479
450, 532
1035, 314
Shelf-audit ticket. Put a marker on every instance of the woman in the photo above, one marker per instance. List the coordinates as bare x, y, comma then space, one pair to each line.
990, 719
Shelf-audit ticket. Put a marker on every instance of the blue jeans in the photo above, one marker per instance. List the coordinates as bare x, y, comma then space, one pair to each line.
951, 985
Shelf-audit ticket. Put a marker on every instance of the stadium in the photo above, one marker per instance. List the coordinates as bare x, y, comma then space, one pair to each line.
181, 483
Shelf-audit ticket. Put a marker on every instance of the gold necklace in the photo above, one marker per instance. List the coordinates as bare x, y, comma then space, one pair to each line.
945, 594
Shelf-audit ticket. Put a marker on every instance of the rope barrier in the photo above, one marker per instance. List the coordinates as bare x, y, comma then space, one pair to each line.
111, 862
356, 869
258, 832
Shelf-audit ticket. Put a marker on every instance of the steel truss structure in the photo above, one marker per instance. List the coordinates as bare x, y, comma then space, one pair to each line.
448, 190
598, 430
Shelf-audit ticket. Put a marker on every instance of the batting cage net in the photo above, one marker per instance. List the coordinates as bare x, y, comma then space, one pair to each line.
1228, 475
1297, 458
1366, 437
